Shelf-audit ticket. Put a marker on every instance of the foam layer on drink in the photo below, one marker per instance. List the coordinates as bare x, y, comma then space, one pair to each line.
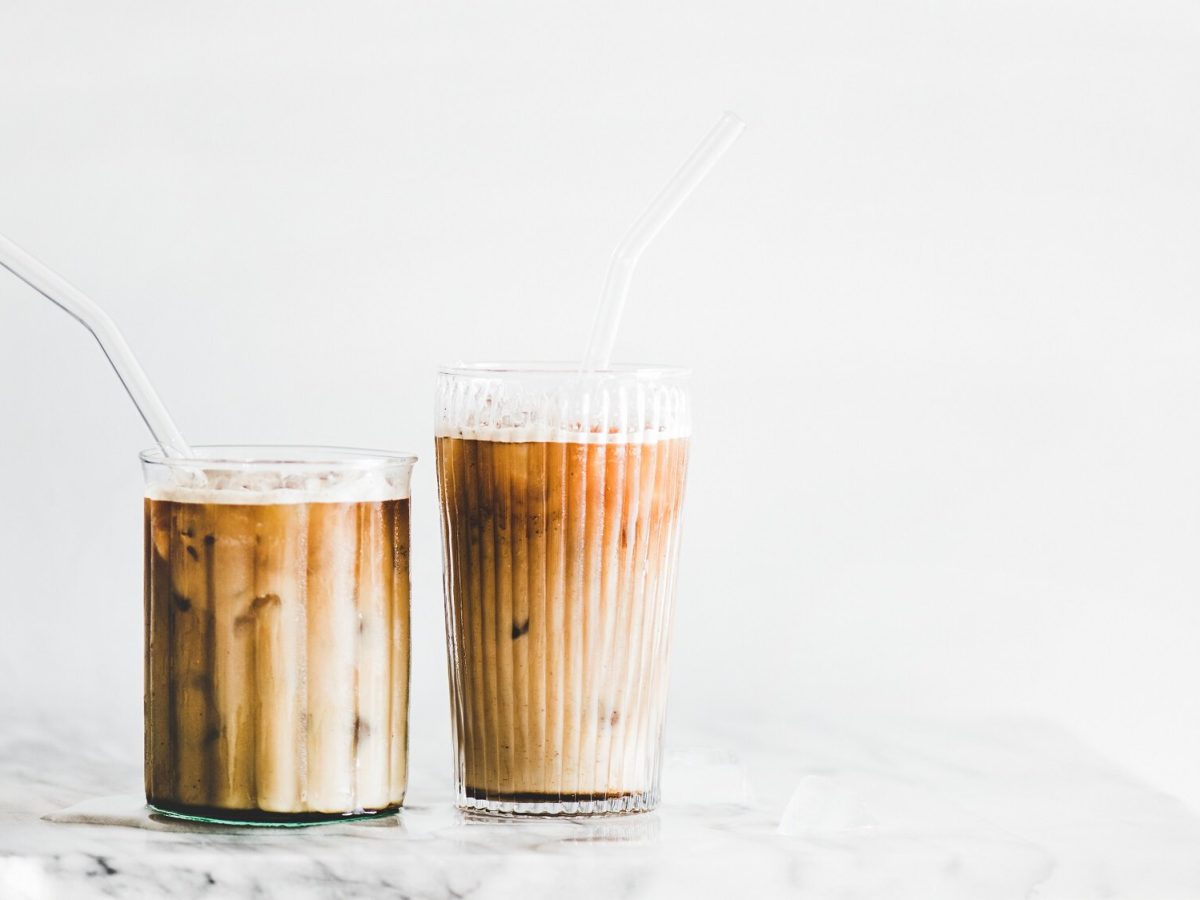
523, 434
255, 488
571, 411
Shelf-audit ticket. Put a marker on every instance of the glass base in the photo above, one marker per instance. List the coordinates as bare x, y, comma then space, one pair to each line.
258, 818
555, 805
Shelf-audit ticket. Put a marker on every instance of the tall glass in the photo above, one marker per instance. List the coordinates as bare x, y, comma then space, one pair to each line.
277, 633
561, 499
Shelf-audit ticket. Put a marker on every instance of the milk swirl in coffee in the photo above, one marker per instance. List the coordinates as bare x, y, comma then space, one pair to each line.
560, 545
276, 650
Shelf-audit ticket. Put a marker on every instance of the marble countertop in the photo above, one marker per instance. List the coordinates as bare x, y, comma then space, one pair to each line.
810, 806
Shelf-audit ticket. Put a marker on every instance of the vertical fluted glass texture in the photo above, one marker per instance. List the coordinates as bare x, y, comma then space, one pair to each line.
561, 500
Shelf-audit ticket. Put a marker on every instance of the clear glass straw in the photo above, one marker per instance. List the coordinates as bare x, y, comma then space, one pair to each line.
625, 257
62, 293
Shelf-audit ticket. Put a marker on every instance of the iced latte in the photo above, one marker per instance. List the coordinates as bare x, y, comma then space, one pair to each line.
277, 610
561, 503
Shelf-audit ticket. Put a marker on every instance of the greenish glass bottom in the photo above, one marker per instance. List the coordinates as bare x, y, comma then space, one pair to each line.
213, 815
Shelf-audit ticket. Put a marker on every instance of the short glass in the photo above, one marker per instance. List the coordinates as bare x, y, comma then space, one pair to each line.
276, 633
561, 499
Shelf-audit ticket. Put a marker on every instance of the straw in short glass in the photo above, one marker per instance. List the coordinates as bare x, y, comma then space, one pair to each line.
625, 257
65, 295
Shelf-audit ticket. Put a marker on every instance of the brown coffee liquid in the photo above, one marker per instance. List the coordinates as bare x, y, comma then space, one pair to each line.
560, 570
277, 658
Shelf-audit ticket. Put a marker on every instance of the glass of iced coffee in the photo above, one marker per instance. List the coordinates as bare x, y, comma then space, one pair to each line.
561, 498
276, 633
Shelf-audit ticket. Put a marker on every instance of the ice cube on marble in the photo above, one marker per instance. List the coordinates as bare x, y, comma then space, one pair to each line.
826, 805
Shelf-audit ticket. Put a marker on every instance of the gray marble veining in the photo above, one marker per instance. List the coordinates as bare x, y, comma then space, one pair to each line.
815, 807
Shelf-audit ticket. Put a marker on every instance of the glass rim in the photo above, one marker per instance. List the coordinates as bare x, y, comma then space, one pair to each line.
562, 367
280, 456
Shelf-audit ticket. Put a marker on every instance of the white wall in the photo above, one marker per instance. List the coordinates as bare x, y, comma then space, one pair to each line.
942, 302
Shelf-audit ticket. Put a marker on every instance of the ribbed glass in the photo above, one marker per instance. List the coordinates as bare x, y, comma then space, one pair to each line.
277, 634
561, 499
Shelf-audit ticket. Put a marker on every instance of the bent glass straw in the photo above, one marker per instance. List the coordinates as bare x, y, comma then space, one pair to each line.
656, 215
69, 298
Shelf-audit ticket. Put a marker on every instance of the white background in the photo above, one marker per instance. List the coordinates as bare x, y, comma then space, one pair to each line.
942, 300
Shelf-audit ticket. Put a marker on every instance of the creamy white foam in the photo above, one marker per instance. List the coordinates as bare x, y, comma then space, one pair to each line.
521, 434
524, 407
270, 488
